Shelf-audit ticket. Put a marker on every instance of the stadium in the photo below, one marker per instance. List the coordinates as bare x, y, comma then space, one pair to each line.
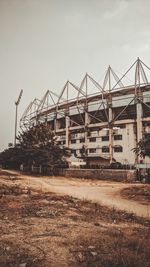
100, 122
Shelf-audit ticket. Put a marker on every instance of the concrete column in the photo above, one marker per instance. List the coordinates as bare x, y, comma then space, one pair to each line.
110, 129
139, 125
87, 121
56, 125
67, 130
139, 111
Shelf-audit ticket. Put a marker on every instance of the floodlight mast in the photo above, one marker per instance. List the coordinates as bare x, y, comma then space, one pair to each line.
16, 115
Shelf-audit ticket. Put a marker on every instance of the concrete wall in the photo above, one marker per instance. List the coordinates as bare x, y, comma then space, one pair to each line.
102, 174
128, 142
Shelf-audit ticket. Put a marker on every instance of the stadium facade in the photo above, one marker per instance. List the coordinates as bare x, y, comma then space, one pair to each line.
102, 122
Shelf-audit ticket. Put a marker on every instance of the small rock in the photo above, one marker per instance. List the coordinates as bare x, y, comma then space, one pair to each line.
7, 248
73, 209
81, 257
91, 247
44, 201
53, 202
65, 205
94, 253
25, 191
114, 221
23, 265
97, 224
12, 177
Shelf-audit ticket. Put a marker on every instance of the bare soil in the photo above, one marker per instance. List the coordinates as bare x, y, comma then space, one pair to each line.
39, 228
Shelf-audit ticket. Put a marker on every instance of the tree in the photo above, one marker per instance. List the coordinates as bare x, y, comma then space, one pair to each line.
37, 136
83, 152
143, 147
36, 146
10, 144
12, 157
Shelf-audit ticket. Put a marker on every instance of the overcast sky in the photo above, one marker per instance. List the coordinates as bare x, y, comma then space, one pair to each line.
43, 43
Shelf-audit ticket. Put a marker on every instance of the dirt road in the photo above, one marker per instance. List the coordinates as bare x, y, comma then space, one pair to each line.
103, 192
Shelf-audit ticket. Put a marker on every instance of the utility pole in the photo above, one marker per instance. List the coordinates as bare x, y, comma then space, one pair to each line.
16, 115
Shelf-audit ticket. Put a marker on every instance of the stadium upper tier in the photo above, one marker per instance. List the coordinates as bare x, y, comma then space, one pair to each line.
94, 100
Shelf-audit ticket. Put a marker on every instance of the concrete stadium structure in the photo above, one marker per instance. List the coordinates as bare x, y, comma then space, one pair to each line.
102, 122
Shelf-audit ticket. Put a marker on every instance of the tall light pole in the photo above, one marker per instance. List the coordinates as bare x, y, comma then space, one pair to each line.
16, 116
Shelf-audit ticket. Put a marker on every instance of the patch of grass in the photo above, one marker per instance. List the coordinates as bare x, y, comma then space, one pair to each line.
112, 248
138, 193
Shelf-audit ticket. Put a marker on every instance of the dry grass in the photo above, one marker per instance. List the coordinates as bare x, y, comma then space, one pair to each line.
138, 193
47, 230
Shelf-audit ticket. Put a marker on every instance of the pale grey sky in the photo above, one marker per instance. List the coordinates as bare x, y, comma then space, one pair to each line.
43, 43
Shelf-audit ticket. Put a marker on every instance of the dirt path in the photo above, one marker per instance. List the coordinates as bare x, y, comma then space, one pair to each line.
103, 192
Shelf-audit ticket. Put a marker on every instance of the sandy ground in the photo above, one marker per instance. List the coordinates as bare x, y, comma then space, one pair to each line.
103, 192
39, 228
